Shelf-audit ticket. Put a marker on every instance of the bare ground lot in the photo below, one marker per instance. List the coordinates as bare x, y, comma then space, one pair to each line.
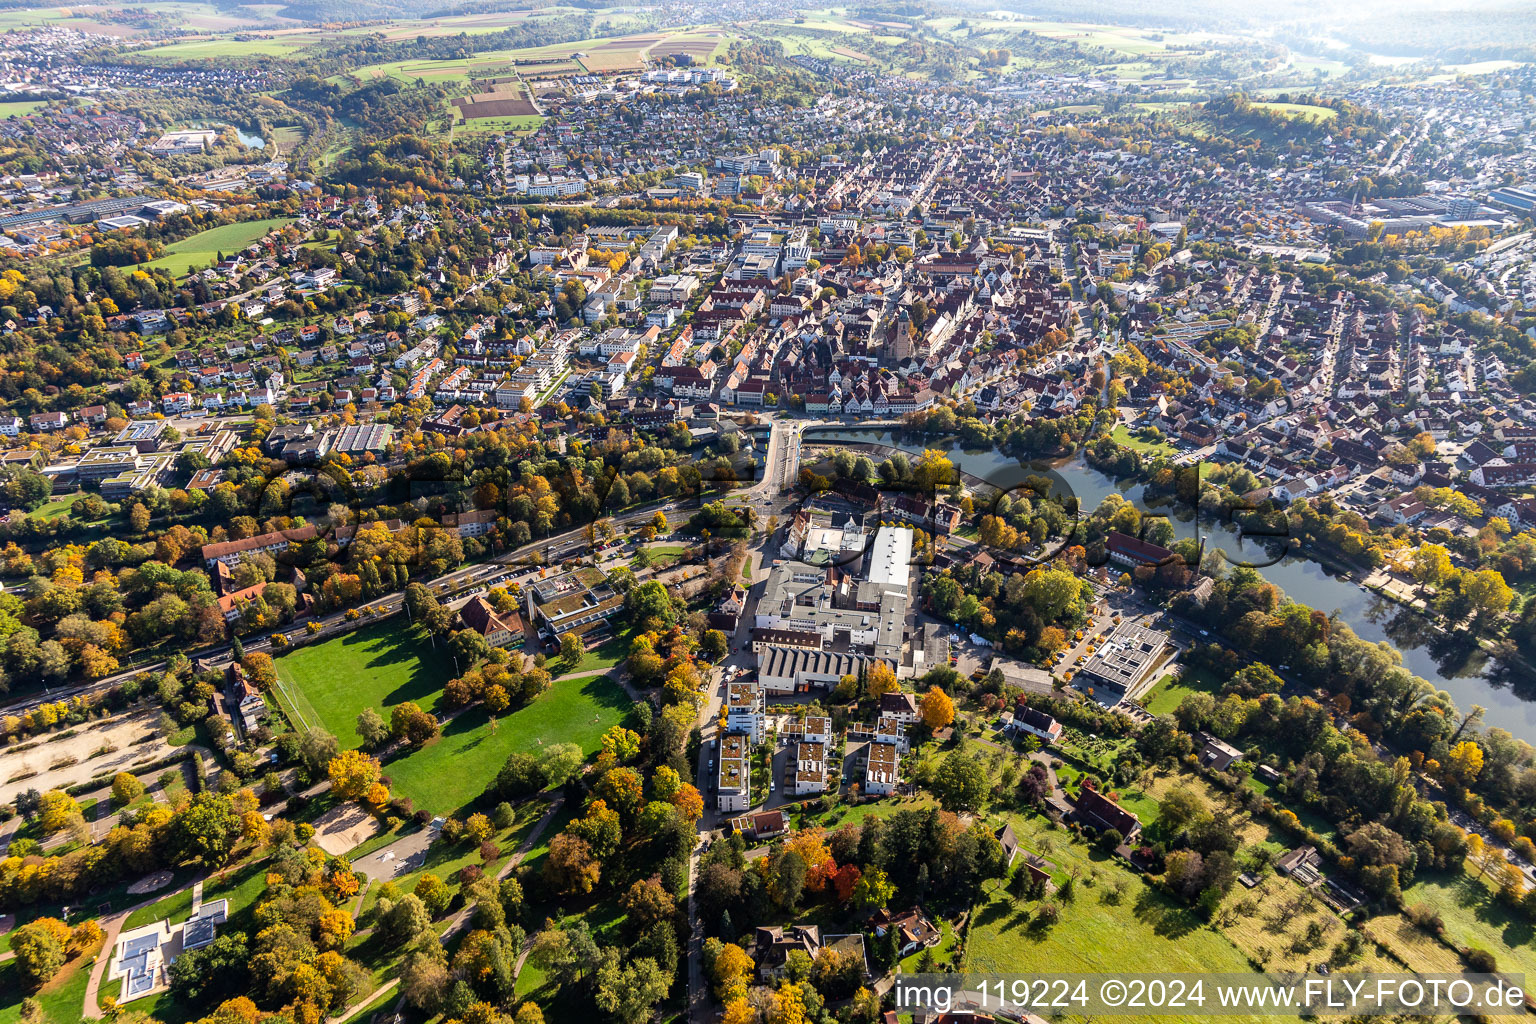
41, 763
343, 828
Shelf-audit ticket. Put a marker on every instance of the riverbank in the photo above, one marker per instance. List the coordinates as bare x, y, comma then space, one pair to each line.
1472, 673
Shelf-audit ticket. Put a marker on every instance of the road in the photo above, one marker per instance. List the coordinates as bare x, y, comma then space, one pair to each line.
471, 577
709, 723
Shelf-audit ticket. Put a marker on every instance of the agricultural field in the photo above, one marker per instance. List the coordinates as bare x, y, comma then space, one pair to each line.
499, 99
1133, 42
1301, 111
222, 49
203, 248
625, 53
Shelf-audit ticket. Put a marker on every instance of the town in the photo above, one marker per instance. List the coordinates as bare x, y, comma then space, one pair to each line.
693, 514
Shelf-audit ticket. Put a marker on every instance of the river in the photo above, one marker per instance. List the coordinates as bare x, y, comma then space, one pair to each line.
1457, 666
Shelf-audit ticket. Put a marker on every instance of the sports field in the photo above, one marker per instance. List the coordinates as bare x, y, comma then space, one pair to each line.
329, 683
10, 108
203, 248
384, 664
455, 768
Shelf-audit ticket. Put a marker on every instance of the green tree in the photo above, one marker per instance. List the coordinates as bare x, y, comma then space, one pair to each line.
960, 782
208, 827
627, 992
371, 728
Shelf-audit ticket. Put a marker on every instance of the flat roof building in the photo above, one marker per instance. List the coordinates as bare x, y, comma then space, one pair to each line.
1124, 663
889, 563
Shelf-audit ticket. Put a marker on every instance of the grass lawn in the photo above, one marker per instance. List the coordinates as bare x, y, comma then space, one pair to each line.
1301, 111
1116, 923
61, 506
1122, 436
175, 907
600, 658
61, 999
662, 555
241, 884
203, 248
1169, 692
454, 769
328, 684
1474, 917
14, 107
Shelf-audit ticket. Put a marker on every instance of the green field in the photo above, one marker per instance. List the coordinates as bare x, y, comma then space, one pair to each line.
14, 107
285, 139
498, 125
221, 49
385, 664
328, 684
1123, 437
1474, 916
1169, 692
1141, 930
454, 769
203, 248
602, 54
1301, 111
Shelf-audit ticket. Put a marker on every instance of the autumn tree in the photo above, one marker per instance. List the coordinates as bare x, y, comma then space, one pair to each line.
938, 710
353, 773
410, 724
126, 788
39, 947
731, 972
570, 866
881, 679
